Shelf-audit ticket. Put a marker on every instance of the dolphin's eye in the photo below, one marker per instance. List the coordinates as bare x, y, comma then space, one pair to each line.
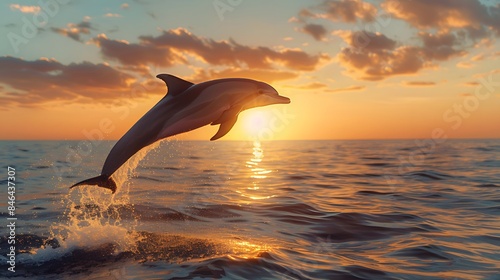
261, 91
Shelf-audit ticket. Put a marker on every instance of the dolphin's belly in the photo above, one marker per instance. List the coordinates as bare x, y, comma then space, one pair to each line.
187, 123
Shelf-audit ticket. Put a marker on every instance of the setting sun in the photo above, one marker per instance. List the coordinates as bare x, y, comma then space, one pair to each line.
255, 121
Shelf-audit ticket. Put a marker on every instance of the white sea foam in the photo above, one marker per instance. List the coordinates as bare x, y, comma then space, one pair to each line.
93, 218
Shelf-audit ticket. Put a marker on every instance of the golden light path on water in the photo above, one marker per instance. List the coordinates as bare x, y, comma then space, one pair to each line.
254, 191
257, 174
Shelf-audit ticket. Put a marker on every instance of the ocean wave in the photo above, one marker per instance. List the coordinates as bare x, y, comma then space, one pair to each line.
336, 219
428, 174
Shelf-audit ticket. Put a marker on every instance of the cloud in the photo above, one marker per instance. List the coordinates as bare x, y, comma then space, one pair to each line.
350, 88
142, 70
420, 83
34, 83
434, 46
342, 10
231, 53
478, 57
375, 66
124, 6
464, 64
25, 9
317, 31
377, 58
470, 15
136, 54
174, 46
443, 30
349, 11
314, 85
441, 46
373, 56
472, 84
487, 74
366, 40
74, 31
265, 75
112, 15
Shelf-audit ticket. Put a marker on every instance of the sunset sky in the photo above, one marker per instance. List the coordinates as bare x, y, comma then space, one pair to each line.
353, 69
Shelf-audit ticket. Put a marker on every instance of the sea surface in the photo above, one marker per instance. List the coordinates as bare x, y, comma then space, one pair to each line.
255, 210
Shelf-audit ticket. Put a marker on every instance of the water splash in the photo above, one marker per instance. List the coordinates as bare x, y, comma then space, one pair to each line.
93, 217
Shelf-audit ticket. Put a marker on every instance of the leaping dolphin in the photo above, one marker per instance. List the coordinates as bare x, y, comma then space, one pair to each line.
185, 107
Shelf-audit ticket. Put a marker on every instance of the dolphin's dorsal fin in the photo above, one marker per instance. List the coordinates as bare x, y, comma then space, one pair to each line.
174, 84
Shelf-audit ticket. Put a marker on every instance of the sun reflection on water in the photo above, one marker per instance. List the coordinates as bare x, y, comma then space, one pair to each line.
257, 174
253, 163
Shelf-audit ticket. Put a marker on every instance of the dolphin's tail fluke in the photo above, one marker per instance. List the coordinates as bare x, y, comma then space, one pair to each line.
102, 181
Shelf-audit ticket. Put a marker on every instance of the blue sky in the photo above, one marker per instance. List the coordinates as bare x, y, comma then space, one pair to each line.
357, 69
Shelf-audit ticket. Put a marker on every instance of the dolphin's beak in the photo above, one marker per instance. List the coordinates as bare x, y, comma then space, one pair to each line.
281, 99
278, 99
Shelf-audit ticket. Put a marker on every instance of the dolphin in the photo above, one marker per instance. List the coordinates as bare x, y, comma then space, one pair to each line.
186, 107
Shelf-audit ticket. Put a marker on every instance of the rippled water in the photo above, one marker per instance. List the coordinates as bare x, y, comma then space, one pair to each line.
271, 210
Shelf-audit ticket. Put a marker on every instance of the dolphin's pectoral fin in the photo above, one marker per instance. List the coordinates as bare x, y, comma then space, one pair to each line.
175, 85
225, 127
226, 121
102, 181
228, 115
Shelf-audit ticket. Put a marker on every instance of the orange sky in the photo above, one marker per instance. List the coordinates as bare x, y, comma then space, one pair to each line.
353, 69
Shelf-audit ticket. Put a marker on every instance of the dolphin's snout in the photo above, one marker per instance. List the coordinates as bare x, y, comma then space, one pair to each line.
282, 99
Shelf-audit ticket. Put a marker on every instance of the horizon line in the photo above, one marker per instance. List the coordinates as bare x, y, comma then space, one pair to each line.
239, 140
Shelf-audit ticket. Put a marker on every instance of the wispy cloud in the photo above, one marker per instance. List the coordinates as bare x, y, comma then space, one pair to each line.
267, 75
350, 88
136, 54
419, 83
309, 86
478, 57
464, 64
342, 10
349, 11
471, 84
112, 15
74, 30
25, 9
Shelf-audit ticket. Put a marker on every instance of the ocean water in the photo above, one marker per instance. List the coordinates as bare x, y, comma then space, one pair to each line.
256, 210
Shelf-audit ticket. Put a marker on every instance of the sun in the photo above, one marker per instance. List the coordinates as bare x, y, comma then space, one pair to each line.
255, 122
